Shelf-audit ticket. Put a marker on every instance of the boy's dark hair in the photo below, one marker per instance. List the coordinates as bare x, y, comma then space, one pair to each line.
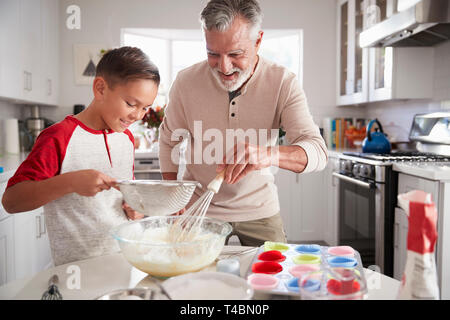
124, 64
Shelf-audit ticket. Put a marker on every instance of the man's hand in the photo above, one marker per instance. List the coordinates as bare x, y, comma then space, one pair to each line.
131, 214
90, 182
245, 158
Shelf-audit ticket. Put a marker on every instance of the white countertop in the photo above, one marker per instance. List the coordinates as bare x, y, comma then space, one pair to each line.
146, 153
104, 274
428, 170
10, 163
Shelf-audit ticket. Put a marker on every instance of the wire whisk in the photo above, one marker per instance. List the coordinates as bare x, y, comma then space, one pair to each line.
52, 293
188, 225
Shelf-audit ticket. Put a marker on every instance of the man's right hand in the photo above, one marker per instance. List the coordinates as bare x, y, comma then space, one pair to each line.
90, 182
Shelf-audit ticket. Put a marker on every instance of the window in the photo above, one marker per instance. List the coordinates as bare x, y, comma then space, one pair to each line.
173, 50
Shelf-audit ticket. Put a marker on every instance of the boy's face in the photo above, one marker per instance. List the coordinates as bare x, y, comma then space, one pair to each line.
124, 103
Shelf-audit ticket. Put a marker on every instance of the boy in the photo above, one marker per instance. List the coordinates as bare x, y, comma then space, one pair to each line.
72, 168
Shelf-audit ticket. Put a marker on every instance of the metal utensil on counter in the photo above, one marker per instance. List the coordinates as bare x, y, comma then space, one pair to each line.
52, 292
157, 197
235, 253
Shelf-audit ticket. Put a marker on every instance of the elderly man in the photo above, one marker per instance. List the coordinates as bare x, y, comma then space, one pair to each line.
236, 90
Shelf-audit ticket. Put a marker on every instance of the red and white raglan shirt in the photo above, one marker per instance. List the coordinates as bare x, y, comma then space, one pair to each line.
78, 227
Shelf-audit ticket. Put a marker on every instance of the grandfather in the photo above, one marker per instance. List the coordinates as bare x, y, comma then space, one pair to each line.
236, 90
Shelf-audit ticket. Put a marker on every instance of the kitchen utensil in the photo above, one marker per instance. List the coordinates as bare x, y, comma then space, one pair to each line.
208, 286
376, 142
145, 245
235, 253
52, 293
157, 197
188, 226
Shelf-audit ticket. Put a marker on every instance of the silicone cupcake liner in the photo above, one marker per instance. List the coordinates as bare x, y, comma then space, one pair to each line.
271, 255
268, 267
292, 285
339, 261
263, 281
308, 248
342, 251
306, 259
269, 245
299, 270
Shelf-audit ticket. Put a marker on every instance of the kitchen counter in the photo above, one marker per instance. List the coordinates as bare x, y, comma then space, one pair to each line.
10, 163
100, 275
428, 170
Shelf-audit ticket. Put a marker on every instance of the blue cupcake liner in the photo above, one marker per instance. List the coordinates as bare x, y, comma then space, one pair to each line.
342, 261
308, 248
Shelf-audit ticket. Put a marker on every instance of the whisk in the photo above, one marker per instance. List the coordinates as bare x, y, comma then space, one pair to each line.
52, 293
187, 226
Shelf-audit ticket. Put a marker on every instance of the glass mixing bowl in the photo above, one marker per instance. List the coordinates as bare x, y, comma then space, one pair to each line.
144, 244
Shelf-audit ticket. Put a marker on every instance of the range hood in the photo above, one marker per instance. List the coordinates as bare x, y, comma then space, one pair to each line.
426, 23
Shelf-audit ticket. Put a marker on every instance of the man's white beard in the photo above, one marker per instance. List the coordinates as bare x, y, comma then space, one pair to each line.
232, 85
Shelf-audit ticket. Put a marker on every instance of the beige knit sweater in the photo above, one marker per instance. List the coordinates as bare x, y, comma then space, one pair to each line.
199, 107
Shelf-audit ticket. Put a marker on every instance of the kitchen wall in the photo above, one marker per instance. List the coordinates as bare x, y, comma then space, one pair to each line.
101, 21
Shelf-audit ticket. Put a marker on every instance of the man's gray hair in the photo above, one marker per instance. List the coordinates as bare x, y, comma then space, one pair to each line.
220, 14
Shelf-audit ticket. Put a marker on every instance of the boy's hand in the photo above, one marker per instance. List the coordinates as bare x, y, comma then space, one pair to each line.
131, 214
90, 182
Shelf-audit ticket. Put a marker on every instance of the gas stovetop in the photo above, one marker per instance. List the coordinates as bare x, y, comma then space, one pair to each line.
400, 156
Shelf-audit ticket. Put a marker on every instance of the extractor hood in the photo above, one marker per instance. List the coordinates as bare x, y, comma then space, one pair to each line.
426, 23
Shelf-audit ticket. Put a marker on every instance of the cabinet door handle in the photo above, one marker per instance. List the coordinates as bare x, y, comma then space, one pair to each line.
49, 89
44, 229
396, 236
38, 227
25, 80
31, 81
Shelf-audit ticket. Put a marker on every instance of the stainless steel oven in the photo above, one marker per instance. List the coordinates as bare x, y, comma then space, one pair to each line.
365, 218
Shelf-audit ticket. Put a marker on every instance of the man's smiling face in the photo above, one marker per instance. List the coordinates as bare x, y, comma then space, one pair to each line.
232, 54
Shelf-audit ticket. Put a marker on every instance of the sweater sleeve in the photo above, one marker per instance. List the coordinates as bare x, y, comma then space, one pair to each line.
172, 130
300, 128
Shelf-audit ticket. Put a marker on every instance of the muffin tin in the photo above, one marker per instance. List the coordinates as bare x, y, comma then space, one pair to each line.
314, 271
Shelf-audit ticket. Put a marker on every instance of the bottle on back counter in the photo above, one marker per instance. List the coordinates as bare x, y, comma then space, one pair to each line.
419, 279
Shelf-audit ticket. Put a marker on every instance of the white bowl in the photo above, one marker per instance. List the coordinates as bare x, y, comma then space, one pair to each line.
208, 286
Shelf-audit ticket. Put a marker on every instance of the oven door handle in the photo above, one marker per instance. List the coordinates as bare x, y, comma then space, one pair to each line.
368, 185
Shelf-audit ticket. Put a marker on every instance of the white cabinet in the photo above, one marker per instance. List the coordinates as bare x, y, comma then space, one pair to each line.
29, 51
401, 73
352, 60
6, 251
50, 52
302, 204
31, 244
376, 74
24, 244
11, 70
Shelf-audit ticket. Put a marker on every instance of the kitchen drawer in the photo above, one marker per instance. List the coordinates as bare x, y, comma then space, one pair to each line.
407, 183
